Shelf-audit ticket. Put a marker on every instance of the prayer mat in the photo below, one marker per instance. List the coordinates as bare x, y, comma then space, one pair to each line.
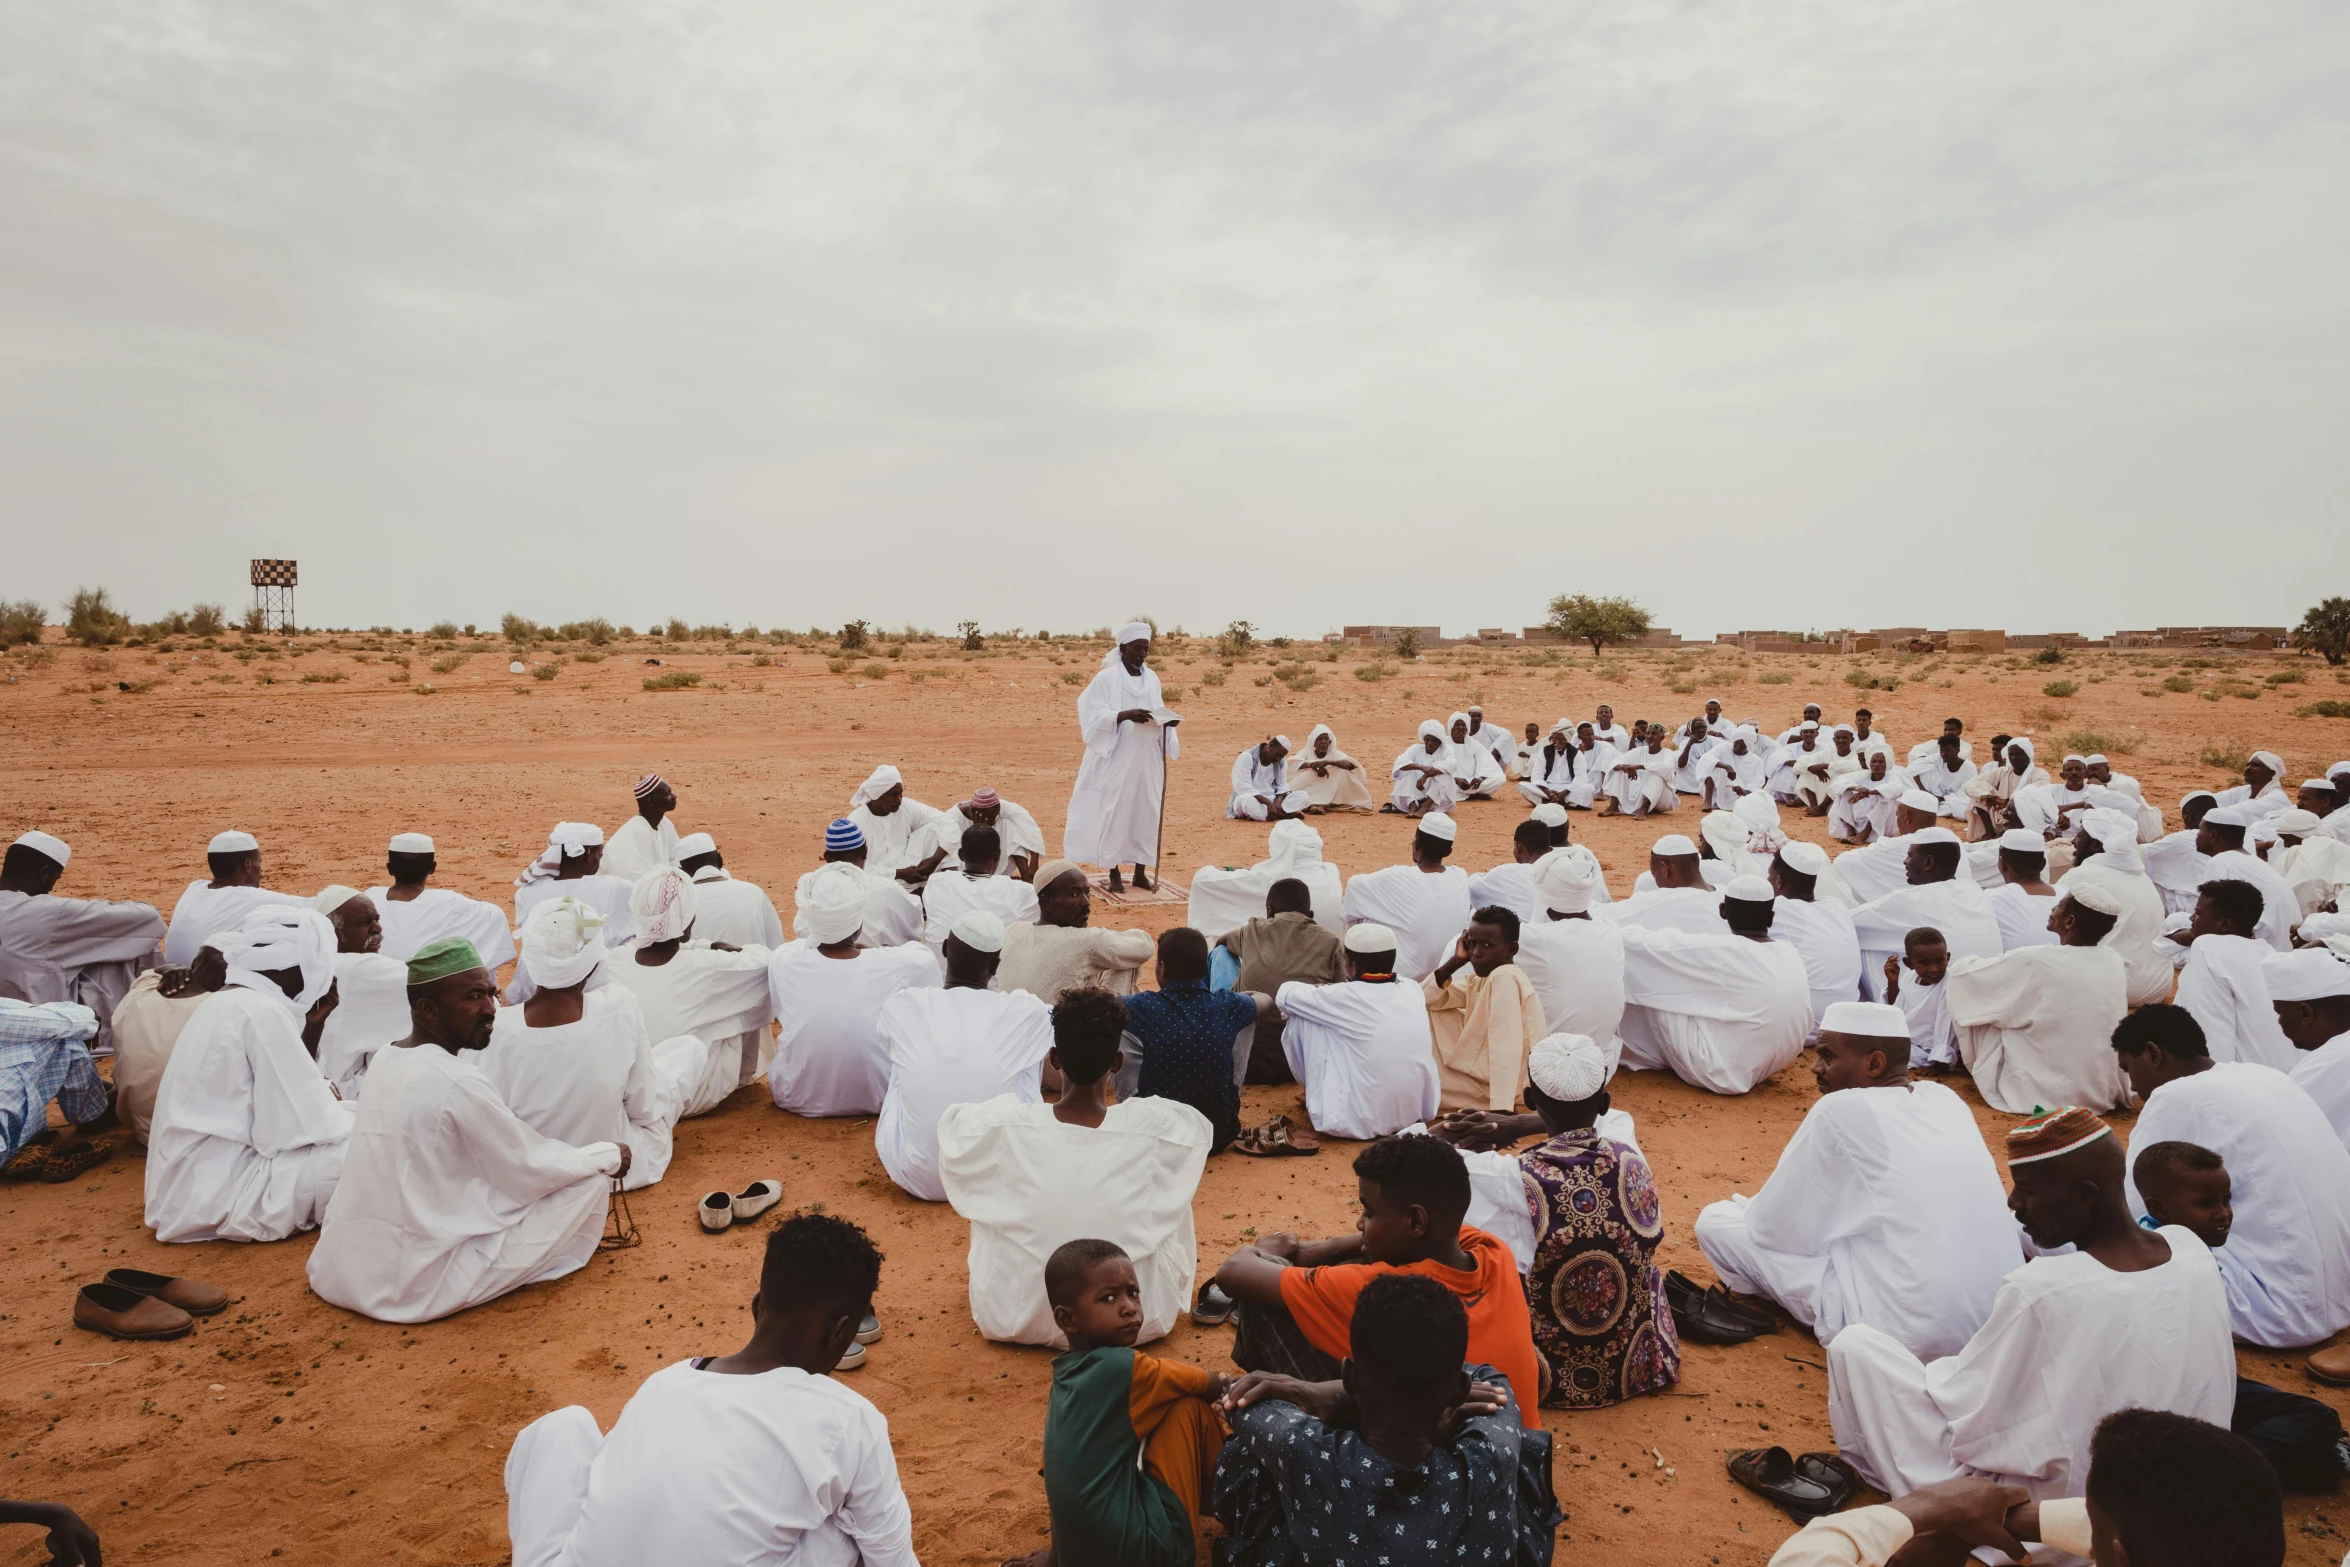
1167, 890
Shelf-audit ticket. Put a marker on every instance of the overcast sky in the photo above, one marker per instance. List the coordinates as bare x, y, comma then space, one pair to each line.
1983, 314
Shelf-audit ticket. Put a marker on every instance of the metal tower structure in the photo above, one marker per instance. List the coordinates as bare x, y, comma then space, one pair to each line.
273, 593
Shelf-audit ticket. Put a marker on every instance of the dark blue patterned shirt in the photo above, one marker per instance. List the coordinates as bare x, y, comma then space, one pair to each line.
1186, 1032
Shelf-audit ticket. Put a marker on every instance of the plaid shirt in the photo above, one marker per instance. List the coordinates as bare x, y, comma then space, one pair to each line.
44, 1055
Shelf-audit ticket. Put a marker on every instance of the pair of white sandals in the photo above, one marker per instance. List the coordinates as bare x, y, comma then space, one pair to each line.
722, 1210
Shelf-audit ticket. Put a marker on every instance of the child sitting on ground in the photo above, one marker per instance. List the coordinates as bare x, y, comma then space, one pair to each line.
1933, 1042
1109, 1404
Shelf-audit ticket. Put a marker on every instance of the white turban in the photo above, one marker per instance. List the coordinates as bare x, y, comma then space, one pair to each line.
2270, 760
232, 842
663, 903
1291, 848
1368, 938
2094, 896
1570, 1068
2030, 755
1429, 727
834, 904
1134, 631
1317, 732
332, 898
877, 783
1568, 878
568, 841
562, 942
1760, 813
979, 930
1724, 833
1865, 1020
45, 844
1438, 825
2310, 974
1457, 718
2117, 832
284, 937
2295, 823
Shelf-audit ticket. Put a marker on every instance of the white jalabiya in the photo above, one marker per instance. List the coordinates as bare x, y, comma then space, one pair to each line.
2054, 809
2069, 1342
949, 895
247, 1140
1015, 830
411, 925
2324, 1075
599, 1080
1933, 1039
1815, 788
1721, 1013
1994, 787
2222, 985
1254, 781
1611, 734
1821, 934
1875, 870
1496, 740
1689, 760
1591, 773
637, 846
720, 998
1030, 1183
1338, 789
1476, 772
2035, 1026
781, 1469
2271, 798
1931, 750
830, 1058
2137, 931
952, 1047
1426, 910
1363, 1051
1576, 967
84, 950
2280, 910
1782, 764
1553, 771
2177, 867
1885, 1208
1863, 808
448, 1199
1510, 886
2317, 869
1729, 774
1642, 778
897, 840
1947, 784
371, 1010
205, 911
1696, 910
2022, 916
1224, 900
2287, 1260
1434, 790
607, 895
1114, 808
893, 915
734, 911
1959, 909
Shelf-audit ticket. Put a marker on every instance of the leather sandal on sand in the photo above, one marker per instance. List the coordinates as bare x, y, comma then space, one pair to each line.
1773, 1473
68, 1160
1214, 1308
2330, 1366
756, 1199
1279, 1138
197, 1300
119, 1313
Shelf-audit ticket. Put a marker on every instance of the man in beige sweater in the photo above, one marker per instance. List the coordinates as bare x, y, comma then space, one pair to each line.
1486, 1020
1060, 952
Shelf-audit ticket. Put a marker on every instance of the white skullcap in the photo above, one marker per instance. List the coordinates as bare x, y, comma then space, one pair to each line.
2296, 822
663, 903
43, 843
1568, 878
1919, 800
1672, 845
281, 938
980, 930
1551, 814
1749, 889
1438, 825
1132, 631
2071, 757
877, 783
232, 842
1367, 939
1865, 1020
1809, 723
833, 903
332, 898
411, 843
2311, 974
1570, 1068
2094, 895
694, 843
1932, 835
1804, 859
2096, 759
2022, 840
2228, 816
562, 942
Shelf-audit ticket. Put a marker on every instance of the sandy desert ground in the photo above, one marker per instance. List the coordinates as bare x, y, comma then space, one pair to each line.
286, 1428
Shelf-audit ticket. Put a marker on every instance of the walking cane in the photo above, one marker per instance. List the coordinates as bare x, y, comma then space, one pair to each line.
1159, 844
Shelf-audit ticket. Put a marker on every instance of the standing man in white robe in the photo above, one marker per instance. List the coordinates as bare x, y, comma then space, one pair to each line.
2311, 993
1426, 903
687, 987
415, 915
248, 1139
1884, 1207
2130, 1318
893, 914
1115, 808
1423, 774
1362, 1049
2287, 1261
733, 911
898, 831
2223, 984
1820, 932
371, 992
646, 841
1016, 829
84, 950
2035, 1024
2022, 902
1722, 1013
225, 902
2106, 855
828, 990
1938, 896
448, 1199
1260, 787
1574, 962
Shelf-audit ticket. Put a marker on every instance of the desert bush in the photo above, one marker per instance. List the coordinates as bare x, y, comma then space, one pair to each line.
1775, 677
520, 630
2051, 654
2179, 683
595, 632
92, 620
1373, 672
760, 661
325, 677
972, 640
21, 620
1298, 676
2222, 758
2061, 688
1237, 639
443, 665
876, 671
446, 630
2284, 677
1072, 677
588, 656
2328, 708
545, 671
2090, 742
1209, 677
838, 666
672, 680
207, 620
1407, 643
854, 636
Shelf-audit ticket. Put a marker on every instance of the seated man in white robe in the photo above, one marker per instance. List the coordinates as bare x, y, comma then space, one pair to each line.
2287, 1261
1426, 903
1884, 1207
958, 1044
1260, 784
1493, 738
2310, 991
2130, 1318
1733, 770
717, 995
1863, 810
1954, 732
2175, 862
1708, 723
893, 913
84, 950
225, 902
1330, 779
1639, 781
1791, 760
1549, 775
2049, 809
1224, 900
576, 1065
1060, 951
1423, 775
148, 1025
2106, 855
1721, 1013
1867, 739
415, 915
2102, 776
1876, 869
1574, 962
2337, 820
1991, 792
447, 1199
572, 866
1692, 744
827, 990
1820, 931
1610, 733
1526, 748
732, 910
2223, 984
2313, 865
1914, 982
975, 883
2035, 1024
248, 1139
1944, 773
2263, 788
1030, 1177
1476, 773
647, 841
1593, 758
1678, 897
1936, 895
1814, 716
2022, 901
1511, 886
1722, 851
1820, 779
371, 992
1361, 1048
761, 1456
2221, 839
897, 830
1015, 826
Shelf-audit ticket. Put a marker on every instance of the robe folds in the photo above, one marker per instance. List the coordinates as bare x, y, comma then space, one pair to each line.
636, 847
84, 950
893, 915
599, 1080
1577, 970
205, 910
1426, 910
1362, 1049
1115, 806
411, 925
734, 911
1959, 909
1721, 1013
719, 998
371, 1010
2223, 986
2137, 931
953, 1047
2035, 1026
1224, 900
830, 1058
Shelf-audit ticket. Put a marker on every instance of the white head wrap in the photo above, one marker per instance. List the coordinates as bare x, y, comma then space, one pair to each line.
1725, 833
979, 930
232, 842
1804, 859
1368, 938
663, 904
2094, 895
1317, 732
834, 903
1919, 800
2310, 974
1457, 718
332, 898
1760, 813
2030, 755
562, 942
2270, 760
411, 843
2295, 823
1750, 889
1291, 848
42, 843
2096, 759
1134, 631
284, 937
1568, 878
1430, 727
2117, 832
1438, 825
877, 783
1570, 1068
1865, 1020
568, 841
695, 843
1550, 814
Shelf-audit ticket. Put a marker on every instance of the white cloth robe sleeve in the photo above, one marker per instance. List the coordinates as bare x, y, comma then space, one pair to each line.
1114, 806
2223, 986
2324, 1074
81, 950
2035, 1026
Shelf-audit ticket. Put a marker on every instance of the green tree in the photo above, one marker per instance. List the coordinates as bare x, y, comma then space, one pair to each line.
92, 620
2325, 631
1598, 621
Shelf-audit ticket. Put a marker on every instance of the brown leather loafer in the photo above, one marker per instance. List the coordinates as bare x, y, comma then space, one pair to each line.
119, 1313
2330, 1366
197, 1300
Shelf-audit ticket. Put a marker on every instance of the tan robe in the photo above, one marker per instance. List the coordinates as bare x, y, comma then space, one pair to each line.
1483, 1031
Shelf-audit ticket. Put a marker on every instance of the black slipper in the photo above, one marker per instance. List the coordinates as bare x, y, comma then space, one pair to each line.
1214, 1308
1771, 1472
1710, 1316
1833, 1472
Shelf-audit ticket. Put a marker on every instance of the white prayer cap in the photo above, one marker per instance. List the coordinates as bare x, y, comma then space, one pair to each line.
1551, 814
663, 904
1431, 729
1932, 835
1568, 725
2071, 757
1368, 938
284, 937
2309, 974
1283, 742
1920, 800
2096, 759
562, 942
1845, 729
232, 842
2315, 783
834, 903
878, 783
1749, 889
332, 898
694, 843
1804, 859
2228, 816
42, 843
2295, 823
1865, 1020
1672, 845
2270, 760
1132, 631
1809, 723
1568, 878
1438, 825
2338, 769
980, 930
411, 843
2094, 895
2022, 840
1724, 831
1570, 1068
